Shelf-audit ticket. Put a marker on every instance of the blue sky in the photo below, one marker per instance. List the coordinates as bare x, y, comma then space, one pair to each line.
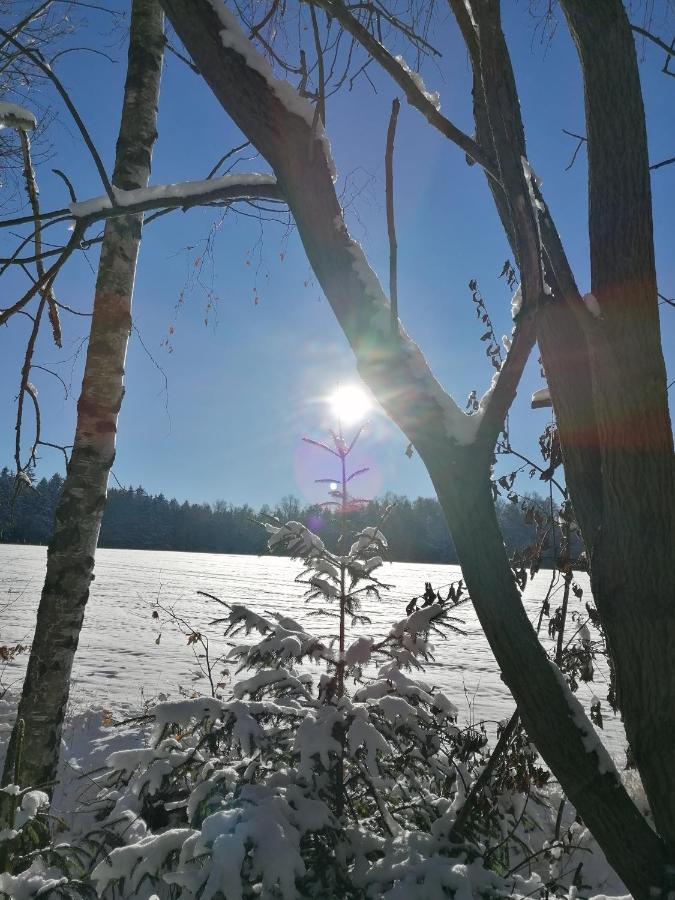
247, 380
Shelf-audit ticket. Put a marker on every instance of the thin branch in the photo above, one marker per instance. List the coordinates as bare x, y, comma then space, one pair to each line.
407, 84
664, 162
74, 312
32, 191
26, 21
226, 157
56, 375
49, 275
82, 50
321, 89
184, 59
508, 378
464, 815
581, 139
26, 388
655, 40
45, 68
63, 448
391, 225
203, 194
68, 184
266, 18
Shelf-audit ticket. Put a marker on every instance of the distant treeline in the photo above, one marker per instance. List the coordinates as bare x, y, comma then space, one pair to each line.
134, 519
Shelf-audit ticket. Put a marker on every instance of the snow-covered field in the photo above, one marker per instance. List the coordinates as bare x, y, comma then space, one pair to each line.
119, 663
127, 656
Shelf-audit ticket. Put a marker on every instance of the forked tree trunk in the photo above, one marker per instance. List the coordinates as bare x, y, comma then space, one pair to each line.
632, 564
70, 557
608, 381
407, 390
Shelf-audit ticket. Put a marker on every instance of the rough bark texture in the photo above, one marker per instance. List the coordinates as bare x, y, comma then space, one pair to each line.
560, 334
413, 400
607, 376
70, 559
632, 562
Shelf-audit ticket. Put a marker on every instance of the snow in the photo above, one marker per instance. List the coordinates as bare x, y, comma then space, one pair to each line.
516, 302
358, 653
140, 859
13, 116
314, 737
541, 396
185, 190
258, 825
233, 38
432, 96
37, 881
362, 734
263, 829
120, 670
589, 736
592, 305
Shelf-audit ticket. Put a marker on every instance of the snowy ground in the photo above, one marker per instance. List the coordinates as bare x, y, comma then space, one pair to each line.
120, 665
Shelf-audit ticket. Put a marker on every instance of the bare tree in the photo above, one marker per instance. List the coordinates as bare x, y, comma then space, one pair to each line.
70, 560
606, 376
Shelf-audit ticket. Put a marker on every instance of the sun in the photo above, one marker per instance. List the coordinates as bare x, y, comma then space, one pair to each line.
350, 404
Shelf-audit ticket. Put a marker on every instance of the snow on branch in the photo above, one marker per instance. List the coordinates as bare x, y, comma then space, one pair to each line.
233, 38
432, 96
13, 116
187, 193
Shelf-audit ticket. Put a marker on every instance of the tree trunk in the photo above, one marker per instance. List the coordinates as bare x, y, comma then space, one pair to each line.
70, 557
400, 379
632, 562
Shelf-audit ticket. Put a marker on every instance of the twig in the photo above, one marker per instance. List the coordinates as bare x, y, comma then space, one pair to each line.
49, 275
56, 81
68, 183
184, 59
655, 40
413, 94
465, 813
32, 191
391, 226
226, 157
660, 165
266, 18
26, 388
321, 90
581, 139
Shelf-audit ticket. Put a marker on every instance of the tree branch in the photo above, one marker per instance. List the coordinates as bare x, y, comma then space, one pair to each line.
56, 81
391, 225
414, 95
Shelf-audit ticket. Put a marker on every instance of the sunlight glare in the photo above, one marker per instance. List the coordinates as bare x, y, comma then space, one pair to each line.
350, 404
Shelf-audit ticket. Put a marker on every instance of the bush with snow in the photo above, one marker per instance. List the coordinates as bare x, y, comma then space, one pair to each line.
325, 773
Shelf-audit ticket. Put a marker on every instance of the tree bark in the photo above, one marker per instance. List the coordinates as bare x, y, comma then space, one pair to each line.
407, 390
632, 562
70, 557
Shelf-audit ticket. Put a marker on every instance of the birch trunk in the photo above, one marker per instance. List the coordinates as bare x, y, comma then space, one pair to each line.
70, 557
